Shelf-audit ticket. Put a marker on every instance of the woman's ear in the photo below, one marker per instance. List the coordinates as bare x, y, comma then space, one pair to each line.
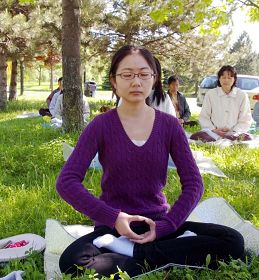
113, 82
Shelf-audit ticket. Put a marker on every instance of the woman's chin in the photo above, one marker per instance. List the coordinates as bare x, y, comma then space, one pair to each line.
136, 98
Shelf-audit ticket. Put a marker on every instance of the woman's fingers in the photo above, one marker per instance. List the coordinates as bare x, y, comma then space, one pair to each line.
137, 218
148, 236
122, 225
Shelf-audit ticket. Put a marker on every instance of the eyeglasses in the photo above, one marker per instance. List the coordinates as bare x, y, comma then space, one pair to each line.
131, 76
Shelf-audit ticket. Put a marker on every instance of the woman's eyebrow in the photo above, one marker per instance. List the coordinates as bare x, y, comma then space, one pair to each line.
131, 69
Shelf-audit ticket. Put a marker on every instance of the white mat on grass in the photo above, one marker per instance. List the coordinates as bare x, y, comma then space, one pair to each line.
212, 210
15, 275
26, 115
67, 151
58, 237
205, 164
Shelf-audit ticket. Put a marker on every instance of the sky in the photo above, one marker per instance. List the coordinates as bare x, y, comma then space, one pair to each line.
241, 24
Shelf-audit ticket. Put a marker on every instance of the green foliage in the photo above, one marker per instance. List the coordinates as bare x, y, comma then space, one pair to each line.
106, 81
253, 13
31, 159
246, 60
96, 105
27, 1
160, 15
200, 14
32, 265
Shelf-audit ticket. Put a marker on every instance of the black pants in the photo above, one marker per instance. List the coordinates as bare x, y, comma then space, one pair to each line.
205, 137
220, 242
45, 112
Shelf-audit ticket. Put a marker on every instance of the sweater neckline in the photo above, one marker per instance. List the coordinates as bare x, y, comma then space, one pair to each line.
125, 135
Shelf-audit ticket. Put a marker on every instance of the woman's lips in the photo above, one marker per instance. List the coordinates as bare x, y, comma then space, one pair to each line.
136, 92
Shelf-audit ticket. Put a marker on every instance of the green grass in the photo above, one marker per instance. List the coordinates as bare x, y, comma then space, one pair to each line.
35, 92
30, 161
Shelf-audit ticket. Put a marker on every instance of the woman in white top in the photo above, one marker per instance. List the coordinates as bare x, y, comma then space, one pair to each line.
157, 98
58, 111
225, 111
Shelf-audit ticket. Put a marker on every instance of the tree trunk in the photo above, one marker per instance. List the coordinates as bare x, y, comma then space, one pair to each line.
13, 81
71, 64
51, 77
3, 79
40, 72
21, 77
196, 86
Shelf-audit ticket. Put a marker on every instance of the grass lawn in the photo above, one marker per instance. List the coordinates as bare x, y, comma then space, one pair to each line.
35, 92
31, 158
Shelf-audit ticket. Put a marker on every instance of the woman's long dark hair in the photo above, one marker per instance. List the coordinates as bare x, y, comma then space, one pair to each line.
229, 69
128, 50
158, 95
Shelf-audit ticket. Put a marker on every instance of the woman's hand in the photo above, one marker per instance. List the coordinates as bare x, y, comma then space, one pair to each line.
122, 225
221, 131
148, 236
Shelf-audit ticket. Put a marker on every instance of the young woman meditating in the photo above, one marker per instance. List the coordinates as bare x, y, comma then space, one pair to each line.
134, 225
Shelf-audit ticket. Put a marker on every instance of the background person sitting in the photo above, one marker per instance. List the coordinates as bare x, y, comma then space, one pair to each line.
225, 111
180, 104
53, 102
46, 111
58, 111
158, 98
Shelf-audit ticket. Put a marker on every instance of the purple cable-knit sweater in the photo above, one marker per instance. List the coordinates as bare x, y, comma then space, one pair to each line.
133, 177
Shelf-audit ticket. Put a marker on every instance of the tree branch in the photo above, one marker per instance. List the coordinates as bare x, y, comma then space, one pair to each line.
249, 3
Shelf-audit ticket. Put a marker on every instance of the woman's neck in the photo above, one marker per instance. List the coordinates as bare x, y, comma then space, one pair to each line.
227, 90
172, 93
132, 110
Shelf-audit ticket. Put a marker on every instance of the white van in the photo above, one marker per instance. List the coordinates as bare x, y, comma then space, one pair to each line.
249, 84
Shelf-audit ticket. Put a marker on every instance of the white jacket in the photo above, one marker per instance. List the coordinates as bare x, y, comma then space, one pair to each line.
53, 102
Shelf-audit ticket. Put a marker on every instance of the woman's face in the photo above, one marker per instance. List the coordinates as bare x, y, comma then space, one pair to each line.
174, 86
136, 89
226, 80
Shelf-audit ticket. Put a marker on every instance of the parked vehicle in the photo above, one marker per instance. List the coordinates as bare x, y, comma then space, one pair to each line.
90, 88
249, 84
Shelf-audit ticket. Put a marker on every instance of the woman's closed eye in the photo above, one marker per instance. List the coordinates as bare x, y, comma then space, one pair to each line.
131, 75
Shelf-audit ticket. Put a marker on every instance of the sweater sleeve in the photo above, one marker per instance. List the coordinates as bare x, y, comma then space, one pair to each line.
69, 182
205, 114
244, 117
191, 182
